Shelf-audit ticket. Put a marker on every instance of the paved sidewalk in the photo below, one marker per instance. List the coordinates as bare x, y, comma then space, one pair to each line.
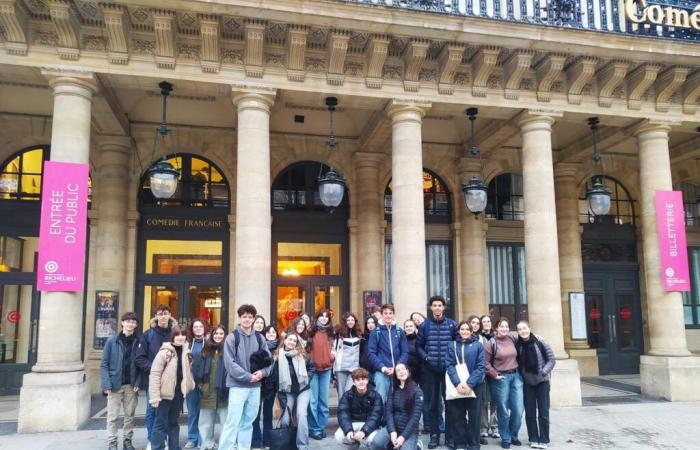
668, 426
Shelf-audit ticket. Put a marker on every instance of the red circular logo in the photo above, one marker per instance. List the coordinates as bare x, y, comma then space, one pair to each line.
594, 313
625, 313
13, 316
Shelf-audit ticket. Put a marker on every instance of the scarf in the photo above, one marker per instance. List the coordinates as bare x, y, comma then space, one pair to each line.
321, 327
299, 365
528, 355
272, 344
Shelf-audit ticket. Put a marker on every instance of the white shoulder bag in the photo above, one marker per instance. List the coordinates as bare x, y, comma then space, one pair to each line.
463, 374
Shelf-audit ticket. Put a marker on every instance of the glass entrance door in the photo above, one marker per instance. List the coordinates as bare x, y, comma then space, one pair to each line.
19, 314
293, 300
187, 301
614, 320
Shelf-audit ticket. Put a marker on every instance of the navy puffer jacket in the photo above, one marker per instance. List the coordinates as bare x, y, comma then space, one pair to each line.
473, 352
434, 341
398, 416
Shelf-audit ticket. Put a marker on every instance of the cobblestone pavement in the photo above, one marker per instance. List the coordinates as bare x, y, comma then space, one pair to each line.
663, 425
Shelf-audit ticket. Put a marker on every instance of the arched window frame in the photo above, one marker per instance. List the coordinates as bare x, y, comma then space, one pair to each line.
214, 194
296, 188
620, 200
506, 189
690, 194
437, 202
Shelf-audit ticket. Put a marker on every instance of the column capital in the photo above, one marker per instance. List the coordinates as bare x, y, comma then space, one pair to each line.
649, 126
70, 81
534, 119
407, 110
253, 98
115, 143
564, 170
368, 159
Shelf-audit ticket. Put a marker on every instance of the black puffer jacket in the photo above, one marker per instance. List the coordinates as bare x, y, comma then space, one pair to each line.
397, 414
354, 407
414, 361
434, 341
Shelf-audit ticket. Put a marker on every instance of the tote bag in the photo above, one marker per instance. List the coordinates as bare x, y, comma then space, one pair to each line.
463, 374
284, 438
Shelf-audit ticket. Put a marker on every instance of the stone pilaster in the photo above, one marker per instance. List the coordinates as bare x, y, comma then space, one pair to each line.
253, 219
570, 263
55, 395
542, 253
667, 369
408, 220
472, 249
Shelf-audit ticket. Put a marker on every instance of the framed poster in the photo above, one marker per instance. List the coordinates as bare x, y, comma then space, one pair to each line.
371, 299
577, 315
106, 320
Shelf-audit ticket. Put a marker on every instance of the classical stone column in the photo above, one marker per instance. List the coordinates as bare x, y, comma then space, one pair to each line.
667, 370
408, 220
570, 263
369, 218
253, 217
472, 249
542, 254
55, 395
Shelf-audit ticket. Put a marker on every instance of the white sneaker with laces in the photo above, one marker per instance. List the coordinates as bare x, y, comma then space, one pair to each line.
543, 446
535, 445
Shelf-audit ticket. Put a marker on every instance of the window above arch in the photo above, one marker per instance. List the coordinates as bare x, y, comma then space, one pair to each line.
505, 197
436, 199
296, 188
201, 184
690, 194
621, 203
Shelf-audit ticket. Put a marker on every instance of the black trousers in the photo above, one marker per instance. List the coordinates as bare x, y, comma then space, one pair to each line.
465, 433
536, 400
433, 393
166, 425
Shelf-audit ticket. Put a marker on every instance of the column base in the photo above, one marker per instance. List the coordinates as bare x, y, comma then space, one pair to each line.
587, 361
53, 402
566, 384
92, 372
670, 377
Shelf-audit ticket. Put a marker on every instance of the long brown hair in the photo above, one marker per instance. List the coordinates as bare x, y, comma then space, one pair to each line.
293, 328
314, 327
300, 348
342, 329
210, 346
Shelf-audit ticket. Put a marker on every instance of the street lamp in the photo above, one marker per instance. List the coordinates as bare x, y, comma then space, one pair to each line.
598, 195
331, 185
476, 191
162, 175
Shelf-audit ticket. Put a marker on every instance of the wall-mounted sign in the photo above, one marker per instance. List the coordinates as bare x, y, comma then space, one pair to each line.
643, 12
577, 315
62, 232
673, 254
106, 320
183, 223
371, 299
212, 303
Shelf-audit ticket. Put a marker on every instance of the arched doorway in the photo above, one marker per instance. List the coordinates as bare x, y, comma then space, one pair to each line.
310, 258
611, 281
183, 245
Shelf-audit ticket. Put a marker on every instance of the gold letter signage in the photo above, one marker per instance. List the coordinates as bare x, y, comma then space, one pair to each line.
640, 12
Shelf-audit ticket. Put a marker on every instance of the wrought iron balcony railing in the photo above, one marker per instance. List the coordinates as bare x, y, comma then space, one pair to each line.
670, 19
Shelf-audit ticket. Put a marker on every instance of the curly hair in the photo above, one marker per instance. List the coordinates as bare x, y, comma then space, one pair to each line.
342, 330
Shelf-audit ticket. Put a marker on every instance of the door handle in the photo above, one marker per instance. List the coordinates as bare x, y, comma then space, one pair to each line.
610, 329
614, 327
34, 332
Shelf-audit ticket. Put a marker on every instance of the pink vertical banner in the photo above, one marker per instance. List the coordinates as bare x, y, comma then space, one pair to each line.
673, 253
62, 233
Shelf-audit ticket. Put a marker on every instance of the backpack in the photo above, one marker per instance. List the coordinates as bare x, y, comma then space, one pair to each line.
494, 347
259, 354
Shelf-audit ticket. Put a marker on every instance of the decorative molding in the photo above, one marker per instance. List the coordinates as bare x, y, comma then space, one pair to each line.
376, 53
579, 74
92, 42
691, 92
188, 51
315, 65
209, 33
67, 27
337, 51
14, 21
414, 55
548, 71
517, 64
483, 63
296, 52
449, 60
164, 27
638, 82
116, 28
254, 44
609, 78
232, 56
667, 84
392, 72
143, 47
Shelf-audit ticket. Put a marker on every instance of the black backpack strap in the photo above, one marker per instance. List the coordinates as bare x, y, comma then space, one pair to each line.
492, 341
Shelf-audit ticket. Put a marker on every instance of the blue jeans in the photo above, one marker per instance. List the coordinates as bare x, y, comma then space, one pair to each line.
508, 395
318, 417
166, 426
261, 437
193, 416
243, 406
382, 384
383, 438
150, 417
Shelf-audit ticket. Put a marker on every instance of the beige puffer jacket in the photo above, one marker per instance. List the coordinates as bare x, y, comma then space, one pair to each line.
161, 383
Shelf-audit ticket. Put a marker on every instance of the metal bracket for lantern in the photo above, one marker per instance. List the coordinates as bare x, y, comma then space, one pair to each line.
475, 191
598, 195
162, 175
331, 185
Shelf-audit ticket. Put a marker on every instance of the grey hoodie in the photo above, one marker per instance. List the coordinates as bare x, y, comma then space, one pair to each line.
238, 363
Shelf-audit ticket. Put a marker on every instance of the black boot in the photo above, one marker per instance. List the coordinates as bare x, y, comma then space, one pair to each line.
434, 441
128, 445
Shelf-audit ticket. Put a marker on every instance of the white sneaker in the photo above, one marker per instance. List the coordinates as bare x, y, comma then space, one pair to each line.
535, 445
148, 447
543, 445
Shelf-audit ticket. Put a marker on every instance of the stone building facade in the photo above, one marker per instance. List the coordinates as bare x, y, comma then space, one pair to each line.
78, 83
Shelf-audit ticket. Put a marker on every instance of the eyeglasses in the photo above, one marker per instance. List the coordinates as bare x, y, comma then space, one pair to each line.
163, 313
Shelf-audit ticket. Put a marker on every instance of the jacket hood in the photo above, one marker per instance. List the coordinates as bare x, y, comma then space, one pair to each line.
171, 322
171, 347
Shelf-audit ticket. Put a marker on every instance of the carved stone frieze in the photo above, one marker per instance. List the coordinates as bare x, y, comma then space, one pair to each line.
449, 59
296, 52
638, 82
317, 38
429, 75
667, 85
358, 42
354, 69
579, 73
514, 68
337, 50
609, 78
276, 33
254, 43
188, 51
15, 26
92, 42
164, 25
45, 37
483, 63
231, 28
548, 71
231, 56
315, 65
116, 26
461, 78
392, 72
413, 57
143, 47
377, 51
275, 59
209, 34
67, 27
141, 19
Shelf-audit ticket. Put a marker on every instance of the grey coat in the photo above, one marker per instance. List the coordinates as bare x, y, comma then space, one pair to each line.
237, 362
545, 364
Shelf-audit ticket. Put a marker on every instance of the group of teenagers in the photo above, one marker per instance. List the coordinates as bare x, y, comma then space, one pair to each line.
387, 376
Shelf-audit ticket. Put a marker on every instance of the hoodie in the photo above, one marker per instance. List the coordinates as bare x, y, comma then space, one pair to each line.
237, 361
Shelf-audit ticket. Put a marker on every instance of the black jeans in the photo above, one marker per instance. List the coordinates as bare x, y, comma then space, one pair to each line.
465, 434
537, 411
166, 425
433, 393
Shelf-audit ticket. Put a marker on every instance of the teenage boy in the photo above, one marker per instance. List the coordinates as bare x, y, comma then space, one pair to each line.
433, 343
387, 347
360, 412
146, 351
244, 386
120, 381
